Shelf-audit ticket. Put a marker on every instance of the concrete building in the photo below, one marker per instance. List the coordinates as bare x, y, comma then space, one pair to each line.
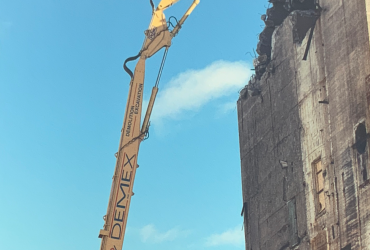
304, 122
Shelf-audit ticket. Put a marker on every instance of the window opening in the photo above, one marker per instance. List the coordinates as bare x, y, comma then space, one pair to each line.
333, 232
360, 146
343, 183
360, 136
294, 240
319, 178
348, 247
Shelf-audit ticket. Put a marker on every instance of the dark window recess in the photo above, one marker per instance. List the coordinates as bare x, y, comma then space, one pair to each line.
333, 231
360, 146
348, 247
294, 240
245, 214
344, 185
361, 138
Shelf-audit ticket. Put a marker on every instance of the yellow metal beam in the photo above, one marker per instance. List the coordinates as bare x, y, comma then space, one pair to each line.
157, 37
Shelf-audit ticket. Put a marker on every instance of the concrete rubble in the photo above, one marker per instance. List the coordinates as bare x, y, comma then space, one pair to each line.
305, 14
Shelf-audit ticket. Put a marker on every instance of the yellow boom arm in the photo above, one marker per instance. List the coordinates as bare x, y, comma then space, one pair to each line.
156, 37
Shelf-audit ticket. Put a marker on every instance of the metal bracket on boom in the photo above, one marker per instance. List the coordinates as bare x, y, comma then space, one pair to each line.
158, 35
162, 39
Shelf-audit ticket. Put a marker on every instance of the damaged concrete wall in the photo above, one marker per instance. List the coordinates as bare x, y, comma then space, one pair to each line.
299, 113
368, 14
271, 156
273, 18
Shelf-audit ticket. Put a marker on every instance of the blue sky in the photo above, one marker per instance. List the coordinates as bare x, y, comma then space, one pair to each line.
62, 98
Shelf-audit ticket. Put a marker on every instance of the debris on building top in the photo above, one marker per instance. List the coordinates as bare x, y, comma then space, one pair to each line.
305, 14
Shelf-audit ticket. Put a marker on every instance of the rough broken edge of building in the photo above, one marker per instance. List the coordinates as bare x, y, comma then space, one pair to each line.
300, 114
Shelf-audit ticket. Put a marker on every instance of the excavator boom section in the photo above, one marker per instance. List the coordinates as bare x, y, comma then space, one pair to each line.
156, 37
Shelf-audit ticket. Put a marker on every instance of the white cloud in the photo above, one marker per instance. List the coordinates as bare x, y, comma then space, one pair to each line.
191, 90
150, 234
233, 237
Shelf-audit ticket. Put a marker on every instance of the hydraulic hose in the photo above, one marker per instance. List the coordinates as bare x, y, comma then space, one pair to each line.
133, 58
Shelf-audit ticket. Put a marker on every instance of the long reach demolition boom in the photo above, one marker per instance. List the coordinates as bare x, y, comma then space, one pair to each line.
158, 36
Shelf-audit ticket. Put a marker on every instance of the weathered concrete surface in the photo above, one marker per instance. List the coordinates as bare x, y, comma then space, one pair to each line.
269, 133
309, 111
368, 14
